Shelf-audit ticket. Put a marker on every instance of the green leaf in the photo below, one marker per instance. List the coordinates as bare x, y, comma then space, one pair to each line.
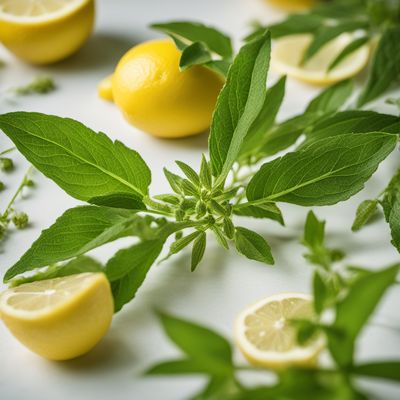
175, 181
333, 170
326, 33
205, 173
128, 268
320, 293
266, 210
253, 246
285, 134
187, 32
379, 369
314, 231
294, 24
314, 240
189, 172
363, 296
391, 208
219, 388
238, 105
76, 232
219, 235
178, 367
195, 54
87, 165
77, 265
385, 67
349, 49
353, 122
365, 211
180, 244
331, 99
205, 347
199, 247
266, 118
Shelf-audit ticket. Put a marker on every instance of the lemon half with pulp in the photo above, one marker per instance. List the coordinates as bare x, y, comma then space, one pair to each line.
266, 336
45, 31
288, 52
60, 318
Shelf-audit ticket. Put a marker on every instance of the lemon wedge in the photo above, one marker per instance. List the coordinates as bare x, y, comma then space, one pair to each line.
60, 318
288, 53
266, 336
45, 31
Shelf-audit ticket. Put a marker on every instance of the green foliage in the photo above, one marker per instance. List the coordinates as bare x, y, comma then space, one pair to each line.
333, 170
385, 67
84, 163
199, 44
239, 103
253, 246
40, 85
128, 268
365, 211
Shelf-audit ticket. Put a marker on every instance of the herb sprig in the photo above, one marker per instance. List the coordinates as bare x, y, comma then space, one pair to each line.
341, 291
87, 165
374, 21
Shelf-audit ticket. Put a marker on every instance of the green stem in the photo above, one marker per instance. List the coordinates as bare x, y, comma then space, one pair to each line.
7, 151
16, 194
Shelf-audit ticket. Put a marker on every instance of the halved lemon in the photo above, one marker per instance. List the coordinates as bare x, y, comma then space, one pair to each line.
45, 31
288, 53
59, 318
266, 336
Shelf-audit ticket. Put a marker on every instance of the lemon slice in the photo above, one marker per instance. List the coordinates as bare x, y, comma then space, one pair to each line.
288, 53
266, 336
45, 31
59, 318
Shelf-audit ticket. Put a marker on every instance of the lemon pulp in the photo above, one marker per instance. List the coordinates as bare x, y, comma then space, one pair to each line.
45, 31
59, 318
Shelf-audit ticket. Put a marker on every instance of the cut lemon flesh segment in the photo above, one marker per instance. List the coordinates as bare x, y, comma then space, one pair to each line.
37, 10
288, 53
59, 318
266, 336
45, 31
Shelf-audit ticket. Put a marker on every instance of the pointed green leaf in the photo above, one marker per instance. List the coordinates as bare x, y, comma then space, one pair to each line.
266, 210
87, 165
253, 246
363, 296
188, 32
333, 170
76, 232
199, 247
128, 268
238, 104
347, 51
365, 211
385, 67
200, 344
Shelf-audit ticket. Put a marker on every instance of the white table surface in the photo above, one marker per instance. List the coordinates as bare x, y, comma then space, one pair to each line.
225, 282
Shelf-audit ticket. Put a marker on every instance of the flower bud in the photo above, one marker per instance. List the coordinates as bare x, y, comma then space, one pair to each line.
20, 220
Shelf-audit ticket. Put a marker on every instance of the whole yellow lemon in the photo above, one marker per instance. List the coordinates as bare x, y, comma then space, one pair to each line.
46, 31
157, 97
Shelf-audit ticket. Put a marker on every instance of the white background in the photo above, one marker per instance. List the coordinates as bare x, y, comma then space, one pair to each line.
225, 282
